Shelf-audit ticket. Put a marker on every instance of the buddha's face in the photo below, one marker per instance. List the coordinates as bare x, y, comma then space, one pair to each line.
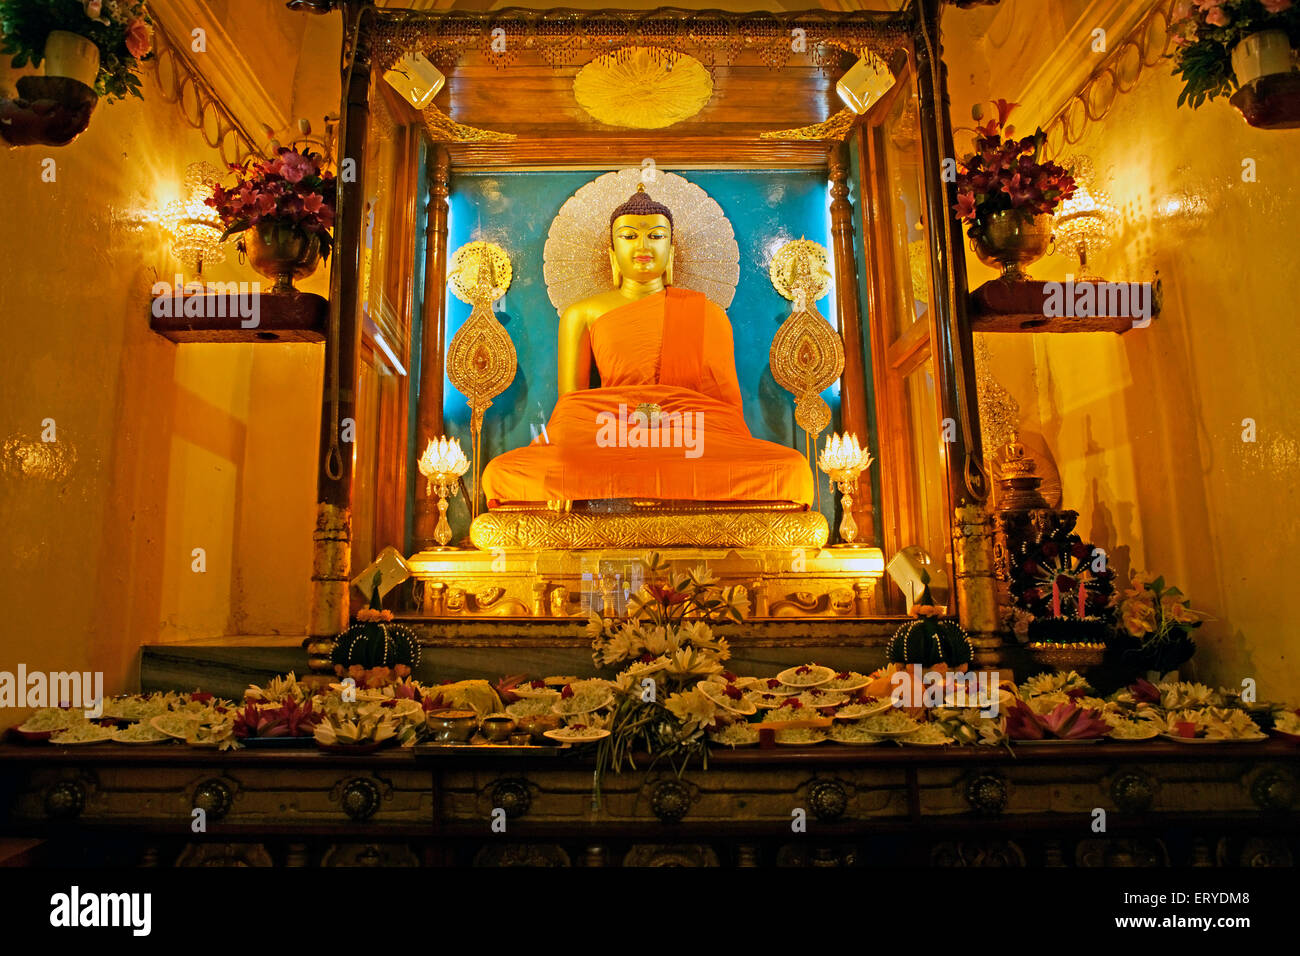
642, 246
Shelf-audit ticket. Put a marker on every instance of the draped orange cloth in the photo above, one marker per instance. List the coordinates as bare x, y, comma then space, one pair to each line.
674, 350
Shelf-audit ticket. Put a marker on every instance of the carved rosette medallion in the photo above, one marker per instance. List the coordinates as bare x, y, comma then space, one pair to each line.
1133, 791
512, 796
987, 792
65, 799
670, 800
643, 87
213, 797
829, 800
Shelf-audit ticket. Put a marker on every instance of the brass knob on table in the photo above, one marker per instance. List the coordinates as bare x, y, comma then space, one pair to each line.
1273, 790
213, 797
65, 800
359, 798
512, 796
1133, 791
670, 800
987, 792
828, 799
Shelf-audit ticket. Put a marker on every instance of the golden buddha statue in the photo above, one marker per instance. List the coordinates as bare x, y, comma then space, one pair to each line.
649, 402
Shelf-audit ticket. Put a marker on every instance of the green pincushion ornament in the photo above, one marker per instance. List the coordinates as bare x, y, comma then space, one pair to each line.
929, 639
374, 640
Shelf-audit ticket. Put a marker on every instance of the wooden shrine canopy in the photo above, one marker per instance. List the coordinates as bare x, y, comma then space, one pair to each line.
509, 103
510, 75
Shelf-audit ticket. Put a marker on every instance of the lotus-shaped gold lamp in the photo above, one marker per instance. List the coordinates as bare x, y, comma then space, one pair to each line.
442, 464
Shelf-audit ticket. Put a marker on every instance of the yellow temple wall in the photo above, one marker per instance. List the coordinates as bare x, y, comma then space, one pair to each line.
1147, 428
159, 448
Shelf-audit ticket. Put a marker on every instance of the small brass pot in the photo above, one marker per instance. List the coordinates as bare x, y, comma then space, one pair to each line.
282, 252
497, 728
538, 725
452, 726
1011, 241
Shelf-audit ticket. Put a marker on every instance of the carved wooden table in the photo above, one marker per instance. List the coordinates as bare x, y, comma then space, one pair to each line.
1141, 804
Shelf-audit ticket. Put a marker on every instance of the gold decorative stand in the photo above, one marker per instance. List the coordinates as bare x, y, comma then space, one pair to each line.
481, 360
807, 355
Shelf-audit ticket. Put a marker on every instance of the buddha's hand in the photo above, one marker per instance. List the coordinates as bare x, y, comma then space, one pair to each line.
560, 504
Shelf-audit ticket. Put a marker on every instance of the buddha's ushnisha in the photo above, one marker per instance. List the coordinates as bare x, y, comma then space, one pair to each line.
649, 402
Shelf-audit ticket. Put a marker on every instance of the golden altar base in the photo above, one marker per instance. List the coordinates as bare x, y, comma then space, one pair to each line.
652, 527
548, 582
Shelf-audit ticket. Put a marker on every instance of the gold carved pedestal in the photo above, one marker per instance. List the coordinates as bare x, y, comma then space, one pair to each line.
542, 564
650, 528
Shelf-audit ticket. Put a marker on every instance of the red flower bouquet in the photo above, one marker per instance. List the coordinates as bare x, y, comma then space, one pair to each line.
1007, 173
289, 190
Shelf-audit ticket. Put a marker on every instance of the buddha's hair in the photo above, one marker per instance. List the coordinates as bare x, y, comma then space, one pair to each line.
640, 204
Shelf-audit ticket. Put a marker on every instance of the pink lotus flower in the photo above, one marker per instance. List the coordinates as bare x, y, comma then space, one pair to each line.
1067, 721
139, 38
1145, 692
1023, 723
505, 687
1072, 722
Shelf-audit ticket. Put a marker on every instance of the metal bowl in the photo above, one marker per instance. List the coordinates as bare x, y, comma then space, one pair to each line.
452, 726
497, 727
538, 725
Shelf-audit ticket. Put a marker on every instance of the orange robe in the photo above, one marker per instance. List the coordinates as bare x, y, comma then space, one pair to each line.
673, 349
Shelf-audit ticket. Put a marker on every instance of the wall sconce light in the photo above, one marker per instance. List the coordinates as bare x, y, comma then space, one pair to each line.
416, 79
194, 227
866, 81
1086, 220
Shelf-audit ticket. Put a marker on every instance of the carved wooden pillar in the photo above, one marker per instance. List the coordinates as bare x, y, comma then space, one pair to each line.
954, 354
332, 558
433, 335
853, 383
953, 350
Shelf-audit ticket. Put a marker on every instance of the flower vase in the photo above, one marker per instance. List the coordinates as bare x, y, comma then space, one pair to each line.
1262, 54
1010, 241
282, 252
73, 56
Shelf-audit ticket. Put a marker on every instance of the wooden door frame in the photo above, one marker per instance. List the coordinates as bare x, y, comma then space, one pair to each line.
893, 357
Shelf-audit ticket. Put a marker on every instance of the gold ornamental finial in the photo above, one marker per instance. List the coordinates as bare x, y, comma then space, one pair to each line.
640, 187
